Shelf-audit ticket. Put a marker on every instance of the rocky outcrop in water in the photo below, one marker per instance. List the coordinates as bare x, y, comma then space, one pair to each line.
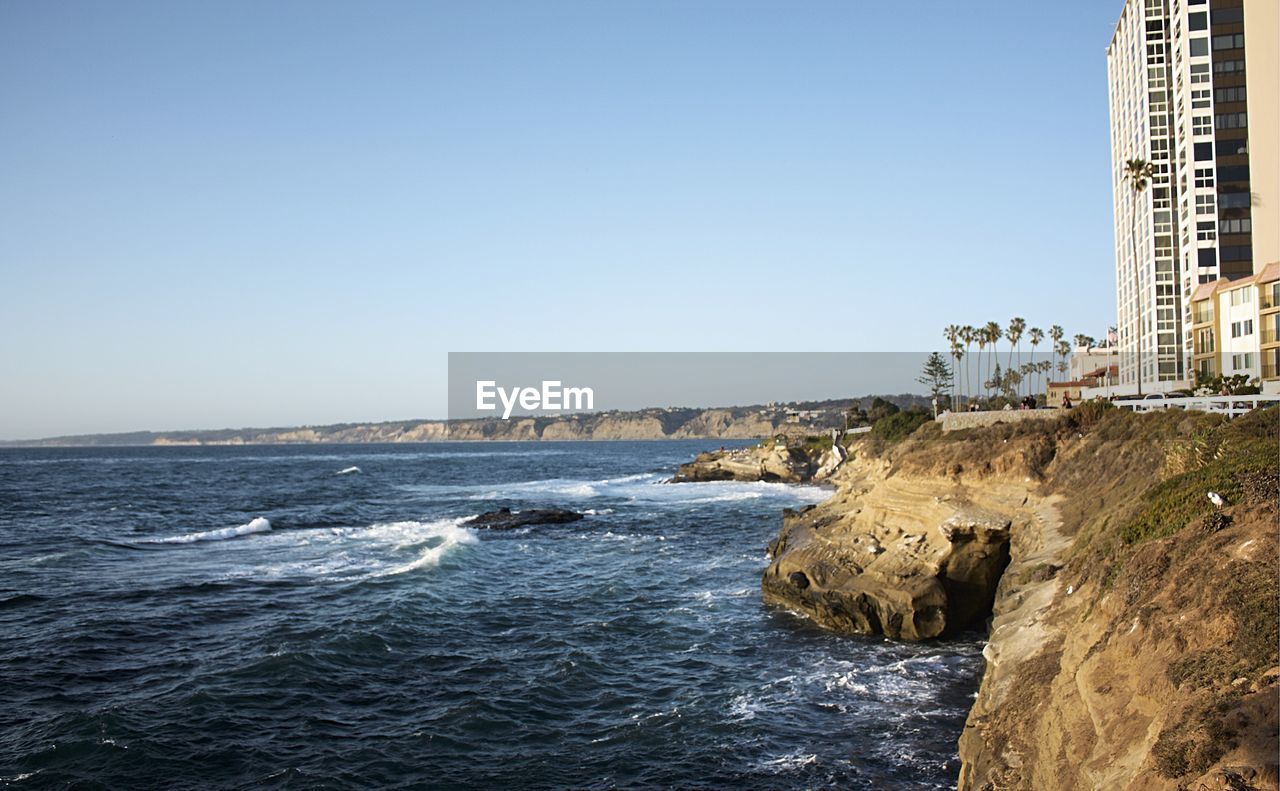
506, 519
774, 460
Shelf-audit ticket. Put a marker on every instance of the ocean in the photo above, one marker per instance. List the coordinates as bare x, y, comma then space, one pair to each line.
323, 617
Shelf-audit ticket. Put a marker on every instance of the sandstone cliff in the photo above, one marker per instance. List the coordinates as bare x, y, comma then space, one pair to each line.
1133, 642
782, 459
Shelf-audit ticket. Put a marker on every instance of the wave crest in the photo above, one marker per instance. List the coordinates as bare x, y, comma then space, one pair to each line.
256, 525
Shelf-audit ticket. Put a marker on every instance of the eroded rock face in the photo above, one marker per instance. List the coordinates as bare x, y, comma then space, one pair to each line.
762, 463
890, 559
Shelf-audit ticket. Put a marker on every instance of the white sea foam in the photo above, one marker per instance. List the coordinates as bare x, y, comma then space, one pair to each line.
350, 554
256, 525
790, 762
347, 471
449, 533
641, 488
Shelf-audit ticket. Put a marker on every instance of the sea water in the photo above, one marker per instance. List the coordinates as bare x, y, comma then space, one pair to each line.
323, 616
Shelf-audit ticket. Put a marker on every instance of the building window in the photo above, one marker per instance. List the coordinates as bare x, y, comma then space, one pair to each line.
1225, 16
1242, 361
1204, 177
1233, 94
1200, 125
1228, 67
1233, 200
1236, 252
1199, 73
1199, 47
1228, 148
1203, 151
1205, 232
1229, 173
1241, 225
1198, 20
1232, 41
1242, 296
1239, 329
1205, 204
1231, 121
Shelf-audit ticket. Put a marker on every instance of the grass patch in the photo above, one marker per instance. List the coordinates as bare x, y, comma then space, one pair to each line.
1220, 459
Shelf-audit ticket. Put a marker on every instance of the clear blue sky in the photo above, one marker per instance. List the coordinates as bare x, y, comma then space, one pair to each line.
235, 213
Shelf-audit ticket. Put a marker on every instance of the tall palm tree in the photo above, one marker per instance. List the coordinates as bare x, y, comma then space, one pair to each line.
968, 334
1014, 334
1056, 333
981, 335
1063, 349
994, 334
957, 351
1046, 367
1036, 335
952, 334
1137, 173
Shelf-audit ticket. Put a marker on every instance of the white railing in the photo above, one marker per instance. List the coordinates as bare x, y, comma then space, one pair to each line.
1231, 406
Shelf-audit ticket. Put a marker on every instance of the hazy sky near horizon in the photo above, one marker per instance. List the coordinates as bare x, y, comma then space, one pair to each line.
229, 214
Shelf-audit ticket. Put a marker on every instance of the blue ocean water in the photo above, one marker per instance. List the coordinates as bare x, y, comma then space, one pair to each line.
267, 617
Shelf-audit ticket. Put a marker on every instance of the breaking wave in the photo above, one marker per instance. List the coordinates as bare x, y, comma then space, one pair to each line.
256, 525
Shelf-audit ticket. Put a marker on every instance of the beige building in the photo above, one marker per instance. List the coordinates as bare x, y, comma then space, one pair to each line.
1262, 23
1086, 361
1236, 328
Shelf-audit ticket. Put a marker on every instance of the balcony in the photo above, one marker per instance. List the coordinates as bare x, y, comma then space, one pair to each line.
1269, 371
1270, 335
1268, 300
1201, 316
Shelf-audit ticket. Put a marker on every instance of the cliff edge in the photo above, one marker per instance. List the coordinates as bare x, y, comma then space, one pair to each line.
1133, 621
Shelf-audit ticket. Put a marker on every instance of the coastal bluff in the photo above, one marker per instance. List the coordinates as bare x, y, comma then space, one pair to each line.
778, 459
1132, 621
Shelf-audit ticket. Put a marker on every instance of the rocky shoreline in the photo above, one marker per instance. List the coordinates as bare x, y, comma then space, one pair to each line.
779, 459
1113, 661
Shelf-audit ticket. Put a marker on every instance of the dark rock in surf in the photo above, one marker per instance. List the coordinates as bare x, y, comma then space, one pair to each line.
506, 519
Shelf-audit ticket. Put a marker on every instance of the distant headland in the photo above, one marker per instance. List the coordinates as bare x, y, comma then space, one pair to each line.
738, 422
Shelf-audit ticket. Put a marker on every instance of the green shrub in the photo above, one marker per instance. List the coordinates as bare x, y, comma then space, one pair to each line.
898, 426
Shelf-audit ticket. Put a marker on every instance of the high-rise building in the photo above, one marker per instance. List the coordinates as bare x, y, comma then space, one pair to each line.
1180, 89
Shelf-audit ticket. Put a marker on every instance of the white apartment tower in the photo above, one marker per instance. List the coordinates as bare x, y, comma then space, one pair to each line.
1176, 73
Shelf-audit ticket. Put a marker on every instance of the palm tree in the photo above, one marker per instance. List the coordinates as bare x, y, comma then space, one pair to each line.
1014, 334
957, 351
1036, 335
1063, 349
1137, 172
981, 335
952, 333
968, 334
1025, 372
1081, 340
994, 334
1056, 333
